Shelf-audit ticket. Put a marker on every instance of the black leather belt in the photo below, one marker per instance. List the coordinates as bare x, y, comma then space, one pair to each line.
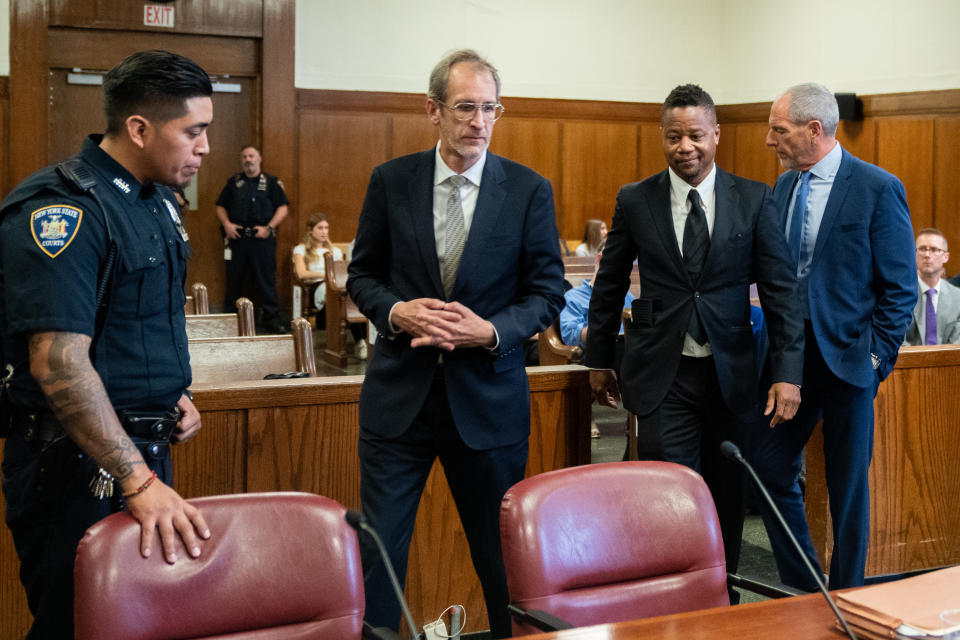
147, 426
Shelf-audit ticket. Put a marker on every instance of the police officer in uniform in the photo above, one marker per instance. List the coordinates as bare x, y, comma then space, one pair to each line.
251, 206
99, 390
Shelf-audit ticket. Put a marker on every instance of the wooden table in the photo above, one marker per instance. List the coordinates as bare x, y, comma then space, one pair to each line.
801, 618
914, 477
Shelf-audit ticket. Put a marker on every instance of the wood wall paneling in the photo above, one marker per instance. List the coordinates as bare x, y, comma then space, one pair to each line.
337, 153
597, 159
859, 138
651, 160
102, 50
222, 17
754, 159
534, 142
905, 149
946, 203
727, 148
278, 116
28, 89
409, 133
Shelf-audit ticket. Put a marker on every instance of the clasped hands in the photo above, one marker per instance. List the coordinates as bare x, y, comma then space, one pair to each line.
445, 325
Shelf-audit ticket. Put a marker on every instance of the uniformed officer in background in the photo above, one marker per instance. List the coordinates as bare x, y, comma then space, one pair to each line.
250, 208
98, 391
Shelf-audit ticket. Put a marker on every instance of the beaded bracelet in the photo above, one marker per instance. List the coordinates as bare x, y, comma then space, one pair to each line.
143, 487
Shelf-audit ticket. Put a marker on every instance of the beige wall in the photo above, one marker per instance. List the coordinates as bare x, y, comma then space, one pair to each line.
635, 50
632, 50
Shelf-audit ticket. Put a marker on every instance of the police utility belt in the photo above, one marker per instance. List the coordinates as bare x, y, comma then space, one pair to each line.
149, 430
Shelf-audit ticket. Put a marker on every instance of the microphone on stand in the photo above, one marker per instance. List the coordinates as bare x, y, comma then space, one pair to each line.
732, 451
357, 520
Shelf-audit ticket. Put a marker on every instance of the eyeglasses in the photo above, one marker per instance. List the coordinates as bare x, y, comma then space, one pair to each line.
933, 251
465, 110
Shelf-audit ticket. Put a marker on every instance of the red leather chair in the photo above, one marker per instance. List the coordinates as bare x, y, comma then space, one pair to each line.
278, 565
610, 542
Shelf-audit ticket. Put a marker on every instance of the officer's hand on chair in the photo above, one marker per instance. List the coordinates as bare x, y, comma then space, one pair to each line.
161, 509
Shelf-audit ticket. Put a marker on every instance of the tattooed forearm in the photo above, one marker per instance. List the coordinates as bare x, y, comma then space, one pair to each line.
60, 364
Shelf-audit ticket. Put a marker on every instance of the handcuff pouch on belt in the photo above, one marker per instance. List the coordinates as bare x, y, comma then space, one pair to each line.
149, 431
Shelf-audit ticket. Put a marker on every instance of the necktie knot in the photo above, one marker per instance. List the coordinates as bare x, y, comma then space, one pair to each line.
930, 293
456, 181
696, 204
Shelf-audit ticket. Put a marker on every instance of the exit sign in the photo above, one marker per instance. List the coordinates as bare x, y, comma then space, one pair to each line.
157, 15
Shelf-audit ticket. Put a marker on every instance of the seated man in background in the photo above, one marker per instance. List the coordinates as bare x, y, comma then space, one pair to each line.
936, 316
573, 317
573, 322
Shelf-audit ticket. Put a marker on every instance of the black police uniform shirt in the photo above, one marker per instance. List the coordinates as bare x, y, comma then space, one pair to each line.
252, 201
53, 244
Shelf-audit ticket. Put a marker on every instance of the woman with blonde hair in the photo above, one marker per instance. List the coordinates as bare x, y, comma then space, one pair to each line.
309, 267
594, 235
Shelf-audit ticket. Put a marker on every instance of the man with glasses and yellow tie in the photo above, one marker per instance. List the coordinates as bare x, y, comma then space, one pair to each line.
936, 317
456, 263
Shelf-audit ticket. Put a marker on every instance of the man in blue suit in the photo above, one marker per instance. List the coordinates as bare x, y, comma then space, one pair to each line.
457, 264
848, 231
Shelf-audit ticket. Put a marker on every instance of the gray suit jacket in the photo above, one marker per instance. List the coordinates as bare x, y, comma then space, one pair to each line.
948, 317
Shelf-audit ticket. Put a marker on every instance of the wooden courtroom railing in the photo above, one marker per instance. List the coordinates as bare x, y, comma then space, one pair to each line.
340, 310
253, 357
223, 325
914, 477
279, 435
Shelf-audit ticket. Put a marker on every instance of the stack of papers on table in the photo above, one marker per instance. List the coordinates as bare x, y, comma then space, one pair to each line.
908, 608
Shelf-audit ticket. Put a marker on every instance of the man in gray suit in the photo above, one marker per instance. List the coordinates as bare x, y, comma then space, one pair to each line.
936, 316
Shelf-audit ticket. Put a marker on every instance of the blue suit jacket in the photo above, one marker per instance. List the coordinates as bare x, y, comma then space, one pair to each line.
745, 247
862, 284
510, 273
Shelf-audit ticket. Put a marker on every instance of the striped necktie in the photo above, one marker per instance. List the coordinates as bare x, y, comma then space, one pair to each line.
454, 237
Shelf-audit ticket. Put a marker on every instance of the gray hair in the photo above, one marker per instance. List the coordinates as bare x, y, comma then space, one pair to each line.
440, 75
812, 101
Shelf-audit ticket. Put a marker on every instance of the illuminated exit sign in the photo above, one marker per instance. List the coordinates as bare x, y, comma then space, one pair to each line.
158, 15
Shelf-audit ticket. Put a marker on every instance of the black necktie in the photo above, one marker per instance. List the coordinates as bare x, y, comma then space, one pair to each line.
696, 243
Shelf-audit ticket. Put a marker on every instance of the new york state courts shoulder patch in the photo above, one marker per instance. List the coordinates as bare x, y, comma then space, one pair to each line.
54, 227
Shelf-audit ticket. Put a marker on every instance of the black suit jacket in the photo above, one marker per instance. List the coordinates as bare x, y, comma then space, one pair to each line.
746, 246
510, 273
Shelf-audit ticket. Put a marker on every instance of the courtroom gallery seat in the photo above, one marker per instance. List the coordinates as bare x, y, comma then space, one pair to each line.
611, 542
277, 565
223, 325
340, 309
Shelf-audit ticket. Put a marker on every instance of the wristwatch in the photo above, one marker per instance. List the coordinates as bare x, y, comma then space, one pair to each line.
876, 360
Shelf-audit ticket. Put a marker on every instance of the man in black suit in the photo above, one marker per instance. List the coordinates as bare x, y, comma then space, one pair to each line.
700, 236
457, 264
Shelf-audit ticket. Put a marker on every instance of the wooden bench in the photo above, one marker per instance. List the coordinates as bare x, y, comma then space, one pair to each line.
223, 325
302, 435
253, 357
578, 268
198, 303
341, 311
